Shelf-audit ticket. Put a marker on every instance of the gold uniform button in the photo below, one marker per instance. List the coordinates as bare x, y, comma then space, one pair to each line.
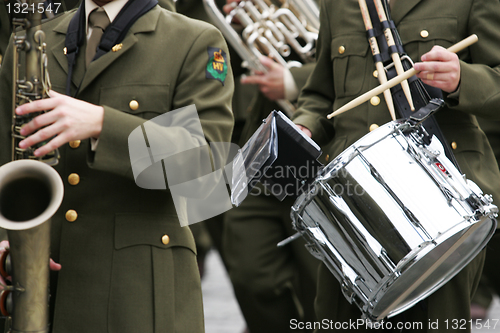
0, 58
327, 157
134, 105
375, 73
454, 145
373, 127
71, 215
424, 33
73, 179
375, 100
75, 144
165, 239
342, 49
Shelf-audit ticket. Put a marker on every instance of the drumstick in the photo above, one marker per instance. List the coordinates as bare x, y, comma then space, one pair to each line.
382, 78
395, 56
395, 80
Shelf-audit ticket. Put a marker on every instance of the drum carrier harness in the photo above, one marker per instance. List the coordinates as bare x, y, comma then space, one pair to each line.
427, 100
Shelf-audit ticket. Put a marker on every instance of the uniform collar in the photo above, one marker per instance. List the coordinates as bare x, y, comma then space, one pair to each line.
142, 25
401, 8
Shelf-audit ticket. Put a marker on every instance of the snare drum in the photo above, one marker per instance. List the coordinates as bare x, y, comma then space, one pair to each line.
393, 219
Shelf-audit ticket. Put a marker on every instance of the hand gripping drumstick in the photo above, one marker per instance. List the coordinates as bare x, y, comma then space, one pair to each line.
382, 78
395, 56
394, 81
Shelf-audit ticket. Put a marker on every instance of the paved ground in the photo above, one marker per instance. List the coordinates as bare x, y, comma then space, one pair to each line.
493, 320
222, 314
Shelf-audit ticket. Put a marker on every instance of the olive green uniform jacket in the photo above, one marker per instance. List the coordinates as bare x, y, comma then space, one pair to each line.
4, 30
344, 70
117, 275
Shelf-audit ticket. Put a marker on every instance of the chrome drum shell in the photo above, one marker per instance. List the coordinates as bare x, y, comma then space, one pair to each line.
393, 219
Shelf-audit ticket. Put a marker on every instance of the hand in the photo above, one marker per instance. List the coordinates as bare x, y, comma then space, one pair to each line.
440, 68
305, 130
229, 6
271, 84
5, 245
69, 119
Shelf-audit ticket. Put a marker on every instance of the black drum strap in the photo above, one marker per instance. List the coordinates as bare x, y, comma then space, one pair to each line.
114, 34
420, 92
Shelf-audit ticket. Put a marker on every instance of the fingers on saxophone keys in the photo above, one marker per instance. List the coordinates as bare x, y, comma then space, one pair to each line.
37, 106
37, 122
56, 142
39, 136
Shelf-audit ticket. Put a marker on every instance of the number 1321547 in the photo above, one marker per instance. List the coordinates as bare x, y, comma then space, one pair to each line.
40, 7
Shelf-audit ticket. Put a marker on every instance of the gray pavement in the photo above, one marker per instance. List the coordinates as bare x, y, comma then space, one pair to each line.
492, 322
222, 314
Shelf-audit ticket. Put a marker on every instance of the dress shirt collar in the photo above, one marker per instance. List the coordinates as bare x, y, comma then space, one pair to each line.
111, 8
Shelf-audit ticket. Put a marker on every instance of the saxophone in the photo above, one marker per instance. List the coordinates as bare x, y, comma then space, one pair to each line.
270, 30
31, 191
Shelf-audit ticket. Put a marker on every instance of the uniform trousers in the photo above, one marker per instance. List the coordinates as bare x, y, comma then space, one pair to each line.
274, 285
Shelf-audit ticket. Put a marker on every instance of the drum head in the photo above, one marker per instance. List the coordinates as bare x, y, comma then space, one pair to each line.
428, 273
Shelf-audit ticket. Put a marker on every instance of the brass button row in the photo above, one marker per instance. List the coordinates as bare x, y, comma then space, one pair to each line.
165, 239
71, 215
133, 105
454, 145
75, 144
375, 100
424, 33
341, 49
373, 127
74, 179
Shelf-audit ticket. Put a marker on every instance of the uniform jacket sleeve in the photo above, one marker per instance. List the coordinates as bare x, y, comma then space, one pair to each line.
479, 91
317, 96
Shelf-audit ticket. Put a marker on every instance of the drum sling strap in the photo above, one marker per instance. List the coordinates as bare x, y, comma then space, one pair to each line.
114, 34
420, 92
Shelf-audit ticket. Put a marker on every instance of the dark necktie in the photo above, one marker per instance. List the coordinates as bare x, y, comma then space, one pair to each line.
98, 20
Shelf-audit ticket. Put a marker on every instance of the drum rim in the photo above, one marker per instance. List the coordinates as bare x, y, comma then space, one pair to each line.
382, 313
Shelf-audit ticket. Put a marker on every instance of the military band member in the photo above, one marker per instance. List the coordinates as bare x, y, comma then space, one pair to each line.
273, 285
470, 82
489, 285
127, 264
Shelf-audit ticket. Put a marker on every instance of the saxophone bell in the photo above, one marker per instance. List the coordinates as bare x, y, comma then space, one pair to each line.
30, 194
